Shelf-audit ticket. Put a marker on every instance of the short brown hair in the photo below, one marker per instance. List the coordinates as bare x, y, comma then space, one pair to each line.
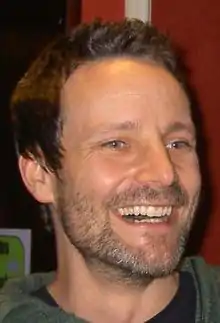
35, 104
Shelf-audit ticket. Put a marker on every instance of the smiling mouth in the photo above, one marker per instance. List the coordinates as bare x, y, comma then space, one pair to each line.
146, 214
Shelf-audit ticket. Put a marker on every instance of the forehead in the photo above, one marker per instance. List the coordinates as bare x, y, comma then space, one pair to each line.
117, 88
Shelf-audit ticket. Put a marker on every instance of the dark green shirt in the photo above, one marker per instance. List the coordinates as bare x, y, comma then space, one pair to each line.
17, 305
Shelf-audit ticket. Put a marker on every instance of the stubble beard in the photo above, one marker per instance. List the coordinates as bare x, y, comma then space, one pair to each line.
88, 229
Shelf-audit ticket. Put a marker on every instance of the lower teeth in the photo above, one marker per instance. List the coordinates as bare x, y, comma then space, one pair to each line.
145, 219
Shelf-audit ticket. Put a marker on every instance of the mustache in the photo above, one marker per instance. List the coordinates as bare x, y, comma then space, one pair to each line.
171, 195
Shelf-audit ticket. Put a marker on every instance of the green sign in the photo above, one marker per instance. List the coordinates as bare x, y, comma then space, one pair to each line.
12, 257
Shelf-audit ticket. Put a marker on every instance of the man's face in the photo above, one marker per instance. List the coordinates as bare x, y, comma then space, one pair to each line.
130, 178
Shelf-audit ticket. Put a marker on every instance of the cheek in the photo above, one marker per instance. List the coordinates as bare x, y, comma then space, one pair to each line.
189, 175
102, 176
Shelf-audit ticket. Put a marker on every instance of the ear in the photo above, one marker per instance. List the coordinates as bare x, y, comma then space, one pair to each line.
37, 180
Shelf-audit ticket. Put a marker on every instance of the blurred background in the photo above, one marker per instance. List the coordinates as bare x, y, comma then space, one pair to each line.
27, 26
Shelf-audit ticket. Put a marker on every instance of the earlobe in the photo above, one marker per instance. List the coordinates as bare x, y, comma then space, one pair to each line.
37, 180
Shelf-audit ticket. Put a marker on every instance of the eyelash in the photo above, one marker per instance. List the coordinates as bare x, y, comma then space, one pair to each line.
113, 144
182, 143
120, 144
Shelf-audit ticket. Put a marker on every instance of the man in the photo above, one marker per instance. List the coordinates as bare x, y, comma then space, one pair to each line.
106, 141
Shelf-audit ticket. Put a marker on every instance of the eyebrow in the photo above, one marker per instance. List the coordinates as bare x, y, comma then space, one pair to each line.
131, 125
180, 126
122, 126
135, 126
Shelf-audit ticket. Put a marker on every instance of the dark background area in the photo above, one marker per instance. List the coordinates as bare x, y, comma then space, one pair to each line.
25, 28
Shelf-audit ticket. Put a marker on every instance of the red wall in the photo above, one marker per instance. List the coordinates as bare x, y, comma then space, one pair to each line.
196, 26
105, 9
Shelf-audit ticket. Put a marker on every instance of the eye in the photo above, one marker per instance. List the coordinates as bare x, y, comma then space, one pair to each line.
179, 144
115, 144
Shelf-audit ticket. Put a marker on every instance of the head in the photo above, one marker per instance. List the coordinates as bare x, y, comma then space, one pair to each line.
105, 136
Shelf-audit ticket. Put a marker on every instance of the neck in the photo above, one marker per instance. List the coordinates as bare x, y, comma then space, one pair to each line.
80, 289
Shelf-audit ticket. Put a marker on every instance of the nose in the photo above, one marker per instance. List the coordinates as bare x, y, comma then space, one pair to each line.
155, 167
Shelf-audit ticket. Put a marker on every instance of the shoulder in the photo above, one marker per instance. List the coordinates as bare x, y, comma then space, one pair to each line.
198, 264
207, 283
204, 274
15, 296
215, 273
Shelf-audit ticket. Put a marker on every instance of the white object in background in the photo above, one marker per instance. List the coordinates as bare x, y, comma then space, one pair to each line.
140, 9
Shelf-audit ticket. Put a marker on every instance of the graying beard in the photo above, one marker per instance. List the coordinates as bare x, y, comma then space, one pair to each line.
108, 261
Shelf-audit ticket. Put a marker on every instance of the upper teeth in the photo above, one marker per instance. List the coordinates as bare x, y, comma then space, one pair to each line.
151, 211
